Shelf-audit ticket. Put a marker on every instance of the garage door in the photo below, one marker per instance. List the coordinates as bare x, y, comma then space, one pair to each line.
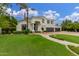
57, 29
49, 29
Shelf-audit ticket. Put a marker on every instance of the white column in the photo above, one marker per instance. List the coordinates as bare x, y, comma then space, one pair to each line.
54, 28
33, 27
60, 29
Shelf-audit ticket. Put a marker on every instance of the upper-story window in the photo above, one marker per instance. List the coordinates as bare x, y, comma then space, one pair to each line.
48, 21
51, 22
42, 20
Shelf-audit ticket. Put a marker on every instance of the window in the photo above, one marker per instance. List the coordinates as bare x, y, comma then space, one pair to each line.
51, 22
42, 20
48, 21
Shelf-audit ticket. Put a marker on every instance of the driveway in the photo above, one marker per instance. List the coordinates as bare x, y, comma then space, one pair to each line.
62, 32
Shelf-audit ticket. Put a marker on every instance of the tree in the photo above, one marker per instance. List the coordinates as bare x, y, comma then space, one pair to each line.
66, 24
24, 6
3, 12
4, 21
7, 24
76, 26
70, 26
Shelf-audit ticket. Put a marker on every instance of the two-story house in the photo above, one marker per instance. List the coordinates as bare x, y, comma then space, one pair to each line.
38, 24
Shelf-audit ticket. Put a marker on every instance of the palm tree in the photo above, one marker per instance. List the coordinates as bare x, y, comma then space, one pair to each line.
24, 6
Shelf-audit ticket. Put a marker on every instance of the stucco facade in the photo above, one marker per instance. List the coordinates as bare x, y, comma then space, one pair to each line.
38, 24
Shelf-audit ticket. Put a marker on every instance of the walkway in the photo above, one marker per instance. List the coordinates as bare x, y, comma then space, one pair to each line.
59, 41
66, 43
71, 51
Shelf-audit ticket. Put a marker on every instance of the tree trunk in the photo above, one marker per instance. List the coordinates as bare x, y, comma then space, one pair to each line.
27, 17
0, 30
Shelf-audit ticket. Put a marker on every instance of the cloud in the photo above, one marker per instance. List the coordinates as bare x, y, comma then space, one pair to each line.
33, 12
11, 12
50, 11
8, 10
30, 12
22, 12
51, 14
15, 13
57, 14
74, 17
75, 14
67, 17
77, 7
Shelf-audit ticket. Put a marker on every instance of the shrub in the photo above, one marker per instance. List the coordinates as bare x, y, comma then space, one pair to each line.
22, 32
18, 32
8, 30
37, 31
27, 31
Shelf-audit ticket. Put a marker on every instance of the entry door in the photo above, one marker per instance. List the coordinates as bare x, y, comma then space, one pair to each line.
23, 26
36, 27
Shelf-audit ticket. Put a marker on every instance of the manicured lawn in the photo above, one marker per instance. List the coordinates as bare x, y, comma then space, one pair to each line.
75, 49
30, 45
70, 38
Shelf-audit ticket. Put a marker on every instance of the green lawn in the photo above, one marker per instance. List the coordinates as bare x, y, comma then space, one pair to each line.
75, 49
30, 45
70, 38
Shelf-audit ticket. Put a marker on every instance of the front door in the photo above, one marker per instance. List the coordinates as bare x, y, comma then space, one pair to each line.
36, 27
23, 27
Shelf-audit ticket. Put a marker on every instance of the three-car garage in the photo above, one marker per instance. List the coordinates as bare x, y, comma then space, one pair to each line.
49, 29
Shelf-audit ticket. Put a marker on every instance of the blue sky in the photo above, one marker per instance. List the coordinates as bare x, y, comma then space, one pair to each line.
63, 9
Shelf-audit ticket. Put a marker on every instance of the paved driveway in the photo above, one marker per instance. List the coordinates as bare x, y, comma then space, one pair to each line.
63, 32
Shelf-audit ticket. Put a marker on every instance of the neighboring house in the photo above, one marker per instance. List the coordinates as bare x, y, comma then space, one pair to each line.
38, 24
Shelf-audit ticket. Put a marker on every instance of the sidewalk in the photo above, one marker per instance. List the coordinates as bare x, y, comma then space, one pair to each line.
60, 41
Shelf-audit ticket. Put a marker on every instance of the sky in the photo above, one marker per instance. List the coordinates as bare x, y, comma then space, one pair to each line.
62, 8
57, 11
